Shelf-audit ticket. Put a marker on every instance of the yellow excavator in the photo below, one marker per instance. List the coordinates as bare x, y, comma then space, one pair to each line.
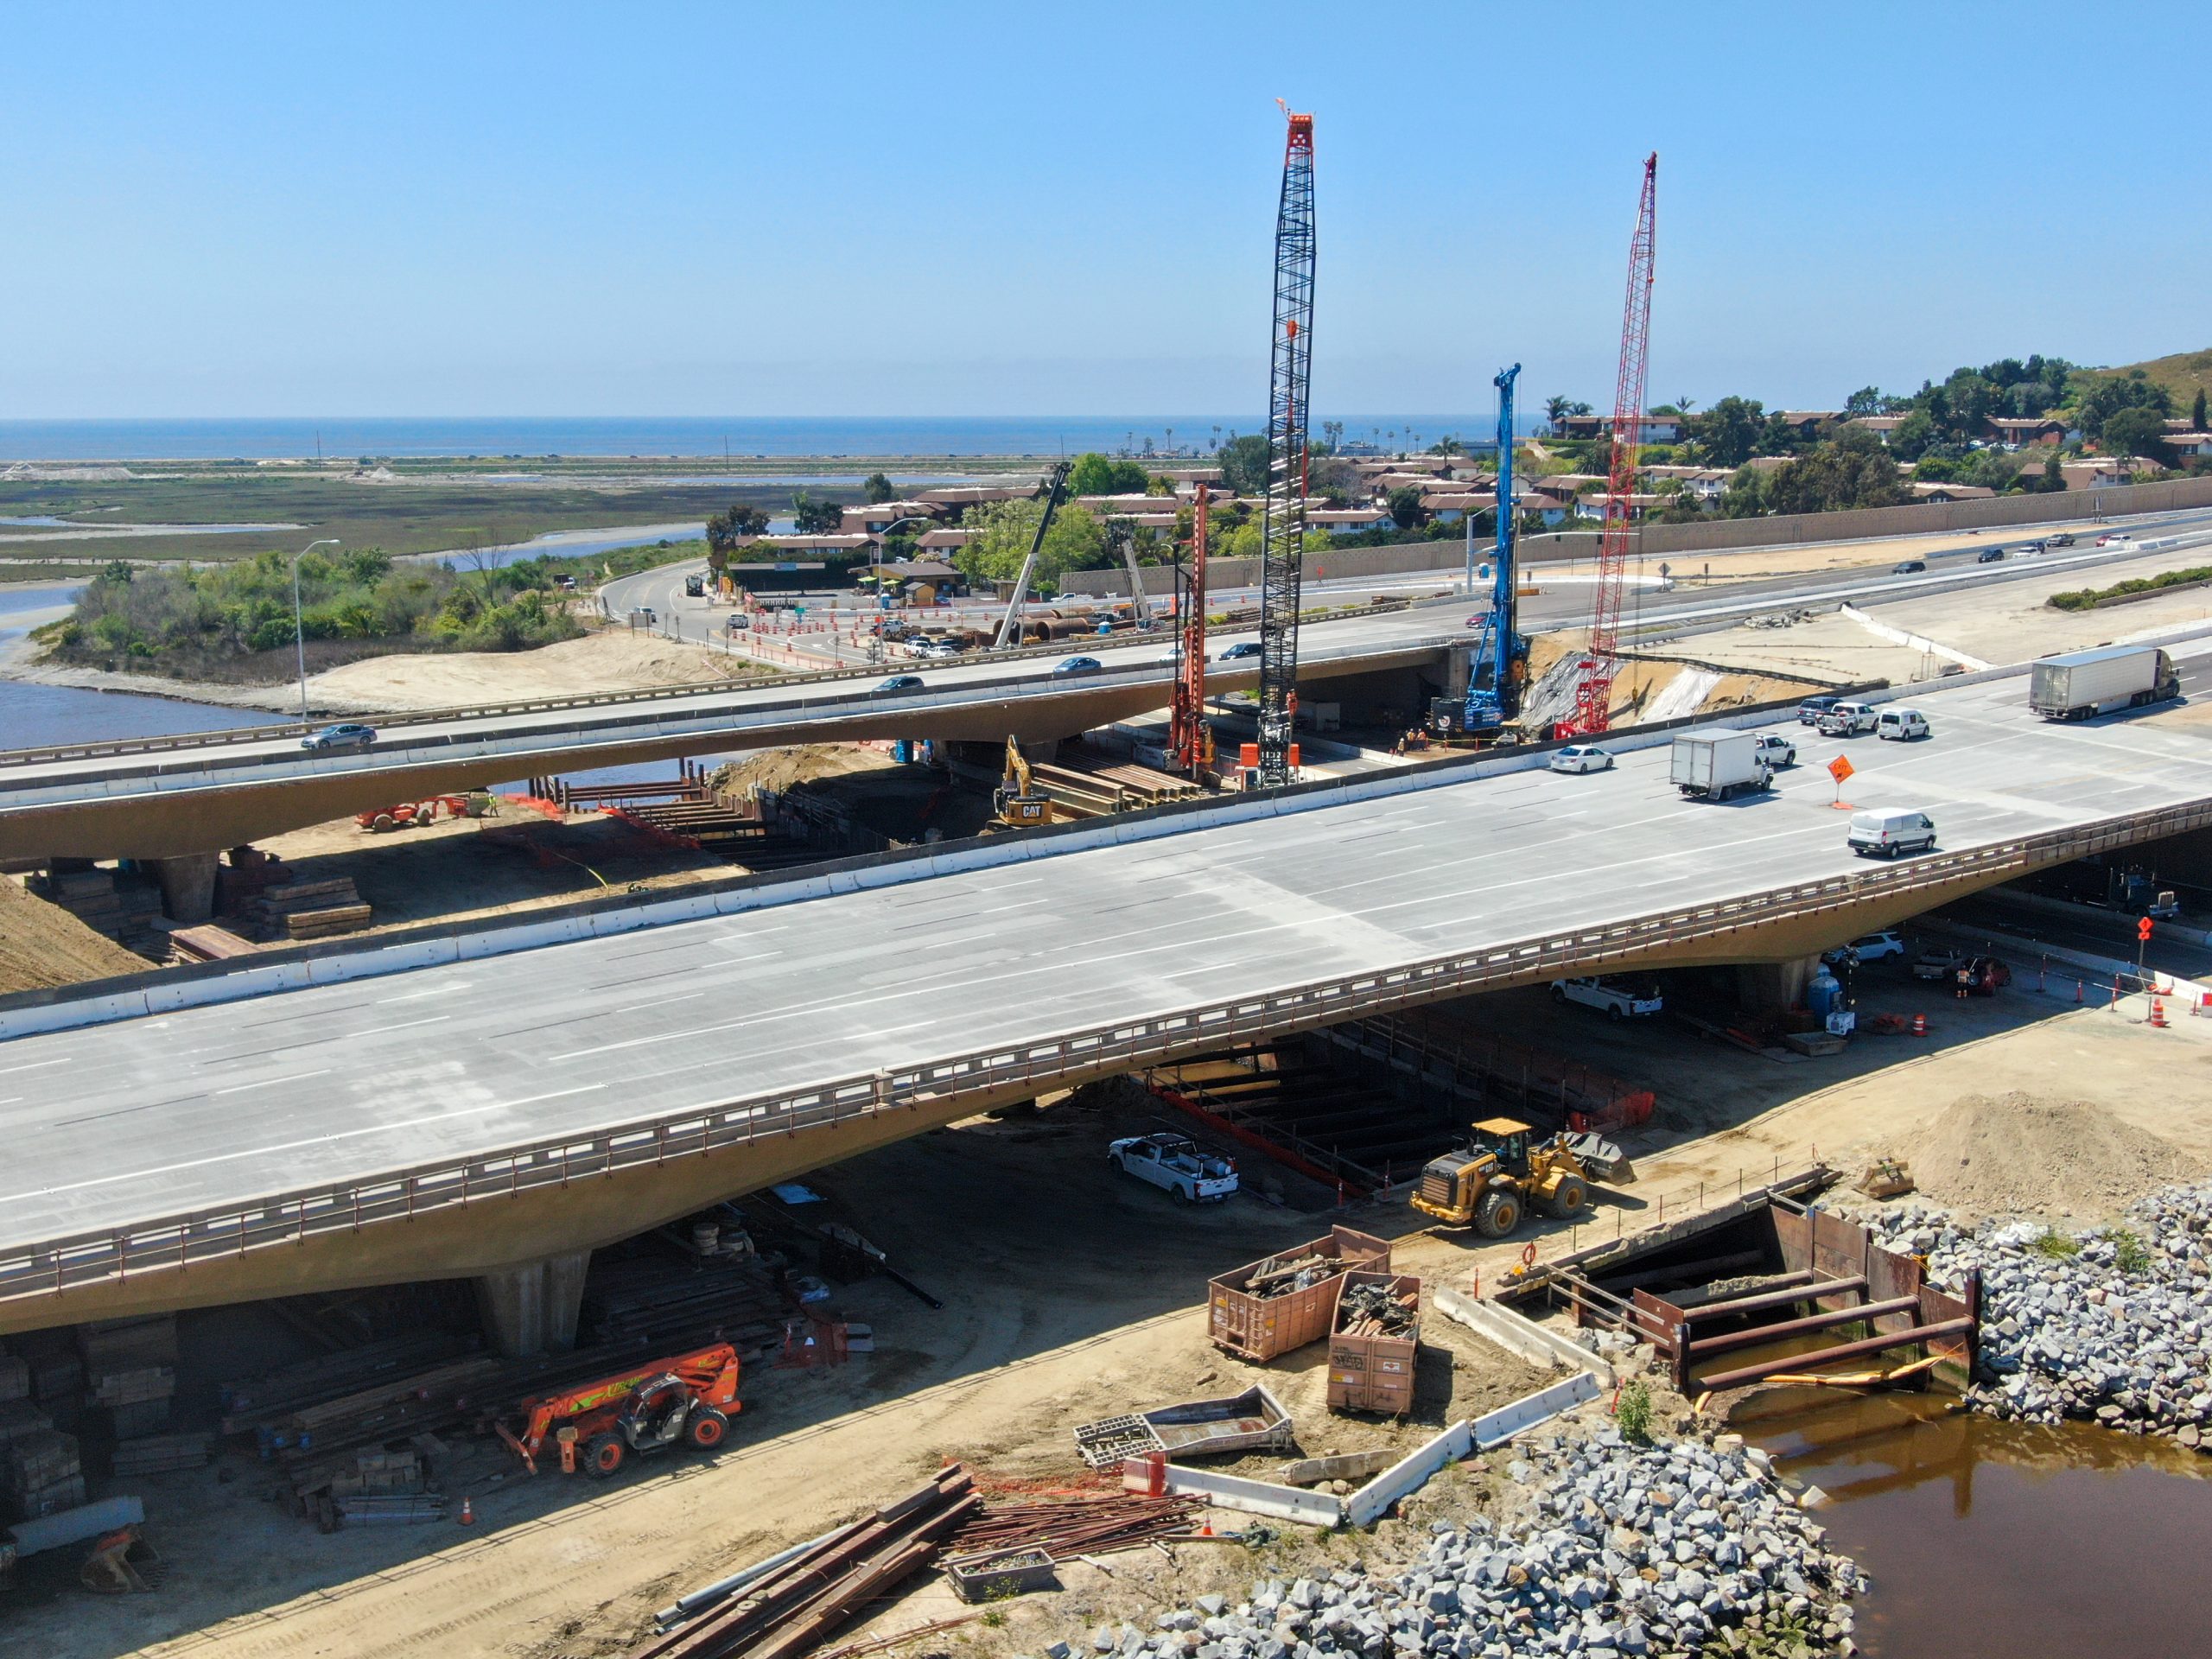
1018, 801
1490, 1184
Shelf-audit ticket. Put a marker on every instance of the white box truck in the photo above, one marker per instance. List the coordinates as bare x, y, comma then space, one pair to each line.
1713, 766
2085, 683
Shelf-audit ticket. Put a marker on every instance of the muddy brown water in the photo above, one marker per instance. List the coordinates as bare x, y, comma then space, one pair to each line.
1999, 1539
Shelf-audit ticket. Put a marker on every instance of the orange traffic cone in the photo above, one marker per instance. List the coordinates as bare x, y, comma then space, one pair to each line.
468, 1515
2158, 1012
1920, 1025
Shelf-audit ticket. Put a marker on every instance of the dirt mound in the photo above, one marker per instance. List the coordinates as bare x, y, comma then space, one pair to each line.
2025, 1155
611, 659
801, 763
42, 945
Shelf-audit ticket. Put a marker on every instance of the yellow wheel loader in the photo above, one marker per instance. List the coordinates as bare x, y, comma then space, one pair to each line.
1490, 1185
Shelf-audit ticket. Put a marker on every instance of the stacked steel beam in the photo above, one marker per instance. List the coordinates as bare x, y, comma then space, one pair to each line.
787, 1610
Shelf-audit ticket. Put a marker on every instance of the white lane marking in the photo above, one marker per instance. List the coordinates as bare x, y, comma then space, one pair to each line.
659, 1002
270, 1083
437, 990
404, 1025
295, 1146
35, 1065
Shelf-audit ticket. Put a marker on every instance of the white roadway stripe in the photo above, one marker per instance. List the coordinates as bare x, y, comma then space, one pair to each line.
296, 1146
33, 1065
270, 1083
440, 990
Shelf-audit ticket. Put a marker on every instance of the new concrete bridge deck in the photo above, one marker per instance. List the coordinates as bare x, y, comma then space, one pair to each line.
497, 1109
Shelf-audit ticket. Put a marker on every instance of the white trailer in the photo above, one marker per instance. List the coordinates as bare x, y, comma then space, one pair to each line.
1713, 766
2086, 683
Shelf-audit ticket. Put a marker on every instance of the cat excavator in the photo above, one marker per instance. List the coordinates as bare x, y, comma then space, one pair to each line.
1490, 1184
1018, 802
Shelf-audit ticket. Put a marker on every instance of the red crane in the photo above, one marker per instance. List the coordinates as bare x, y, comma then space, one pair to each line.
1593, 689
1190, 738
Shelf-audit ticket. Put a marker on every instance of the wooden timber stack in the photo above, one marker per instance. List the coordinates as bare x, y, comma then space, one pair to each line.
308, 910
128, 913
131, 1369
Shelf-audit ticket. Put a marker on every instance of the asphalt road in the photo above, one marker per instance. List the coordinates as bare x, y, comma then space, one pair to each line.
212, 1106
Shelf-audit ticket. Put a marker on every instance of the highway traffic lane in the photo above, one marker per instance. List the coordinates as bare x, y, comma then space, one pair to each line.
1270, 903
400, 747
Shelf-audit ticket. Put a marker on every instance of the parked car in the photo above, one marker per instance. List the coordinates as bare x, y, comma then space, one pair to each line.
1848, 719
1901, 725
1891, 832
1984, 975
938, 648
1177, 1164
1079, 666
1581, 757
1619, 1000
1907, 567
1990, 556
1874, 947
902, 682
351, 735
1776, 750
1810, 710
1241, 648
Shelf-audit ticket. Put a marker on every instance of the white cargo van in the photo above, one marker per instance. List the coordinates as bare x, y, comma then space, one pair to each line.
1901, 725
1889, 832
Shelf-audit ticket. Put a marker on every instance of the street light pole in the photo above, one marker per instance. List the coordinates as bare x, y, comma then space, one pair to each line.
299, 628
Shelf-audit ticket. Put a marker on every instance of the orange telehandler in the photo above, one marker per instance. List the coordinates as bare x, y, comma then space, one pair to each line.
689, 1398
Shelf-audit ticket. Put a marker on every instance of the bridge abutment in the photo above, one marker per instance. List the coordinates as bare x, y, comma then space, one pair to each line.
533, 1309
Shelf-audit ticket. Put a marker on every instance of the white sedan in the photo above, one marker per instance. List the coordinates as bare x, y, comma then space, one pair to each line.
1176, 1163
1581, 757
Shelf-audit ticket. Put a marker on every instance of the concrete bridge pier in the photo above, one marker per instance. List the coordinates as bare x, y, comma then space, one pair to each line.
188, 885
1774, 984
532, 1309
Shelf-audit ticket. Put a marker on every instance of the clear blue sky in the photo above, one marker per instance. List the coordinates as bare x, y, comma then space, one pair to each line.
744, 209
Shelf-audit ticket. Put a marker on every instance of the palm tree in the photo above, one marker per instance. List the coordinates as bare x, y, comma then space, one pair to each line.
1555, 410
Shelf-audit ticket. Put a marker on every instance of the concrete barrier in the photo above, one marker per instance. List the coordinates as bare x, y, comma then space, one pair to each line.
1257, 1496
1519, 1335
1899, 636
1495, 1428
1409, 1474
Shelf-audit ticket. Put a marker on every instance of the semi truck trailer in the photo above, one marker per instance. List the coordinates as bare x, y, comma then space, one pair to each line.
2086, 683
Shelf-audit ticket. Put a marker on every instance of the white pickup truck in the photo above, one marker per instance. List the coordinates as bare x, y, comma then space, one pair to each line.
1619, 1000
1176, 1163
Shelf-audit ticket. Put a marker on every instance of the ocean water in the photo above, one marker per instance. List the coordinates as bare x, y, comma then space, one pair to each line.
748, 437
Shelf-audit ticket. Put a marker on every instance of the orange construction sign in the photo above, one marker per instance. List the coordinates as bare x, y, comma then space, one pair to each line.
1841, 768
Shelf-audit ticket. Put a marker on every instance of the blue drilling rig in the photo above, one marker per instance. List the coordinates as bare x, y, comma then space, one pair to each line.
1499, 662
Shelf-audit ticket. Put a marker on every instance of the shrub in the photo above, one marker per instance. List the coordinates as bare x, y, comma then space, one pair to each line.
1632, 1411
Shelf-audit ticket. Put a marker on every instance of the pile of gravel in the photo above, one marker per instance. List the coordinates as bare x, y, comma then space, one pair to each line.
2120, 1332
1628, 1550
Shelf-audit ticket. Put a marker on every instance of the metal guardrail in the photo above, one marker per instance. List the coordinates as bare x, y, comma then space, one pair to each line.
608, 699
289, 1216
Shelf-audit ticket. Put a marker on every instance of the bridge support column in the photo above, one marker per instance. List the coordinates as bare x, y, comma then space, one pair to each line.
532, 1309
1774, 984
188, 885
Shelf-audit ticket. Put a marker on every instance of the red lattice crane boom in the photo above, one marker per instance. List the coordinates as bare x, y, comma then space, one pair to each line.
1593, 689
